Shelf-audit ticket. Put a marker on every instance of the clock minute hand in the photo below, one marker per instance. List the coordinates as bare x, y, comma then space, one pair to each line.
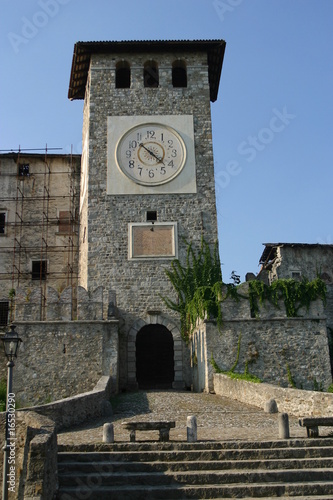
160, 160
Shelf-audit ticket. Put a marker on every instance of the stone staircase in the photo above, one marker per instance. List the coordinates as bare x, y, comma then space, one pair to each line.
301, 469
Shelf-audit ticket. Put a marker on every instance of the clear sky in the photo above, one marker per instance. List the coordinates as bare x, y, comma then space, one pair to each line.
272, 122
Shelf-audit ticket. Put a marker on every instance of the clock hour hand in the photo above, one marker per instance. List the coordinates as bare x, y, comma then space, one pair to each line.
160, 160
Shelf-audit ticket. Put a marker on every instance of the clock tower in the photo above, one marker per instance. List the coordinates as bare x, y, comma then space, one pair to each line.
147, 187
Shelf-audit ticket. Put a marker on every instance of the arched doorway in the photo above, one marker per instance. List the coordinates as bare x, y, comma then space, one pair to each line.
154, 357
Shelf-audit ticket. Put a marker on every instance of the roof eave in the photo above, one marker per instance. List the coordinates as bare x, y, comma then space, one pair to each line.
82, 52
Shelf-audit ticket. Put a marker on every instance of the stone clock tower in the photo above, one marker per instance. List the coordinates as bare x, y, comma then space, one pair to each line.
147, 186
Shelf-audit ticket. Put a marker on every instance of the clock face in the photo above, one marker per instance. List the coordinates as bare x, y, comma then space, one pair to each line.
151, 154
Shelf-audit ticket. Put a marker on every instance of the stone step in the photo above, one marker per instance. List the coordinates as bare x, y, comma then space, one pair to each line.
198, 477
199, 445
98, 492
196, 455
285, 468
67, 467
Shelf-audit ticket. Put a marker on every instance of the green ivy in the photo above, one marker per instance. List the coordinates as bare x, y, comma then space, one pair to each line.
291, 380
295, 294
198, 286
231, 373
200, 290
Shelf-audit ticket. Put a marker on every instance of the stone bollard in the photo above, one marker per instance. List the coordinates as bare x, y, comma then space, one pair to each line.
191, 429
284, 426
271, 406
108, 434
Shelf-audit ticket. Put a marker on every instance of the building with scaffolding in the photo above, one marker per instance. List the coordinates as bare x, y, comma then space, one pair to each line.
38, 225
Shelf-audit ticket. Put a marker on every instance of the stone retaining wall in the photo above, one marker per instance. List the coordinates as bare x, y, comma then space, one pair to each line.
293, 401
77, 409
36, 438
275, 347
35, 456
59, 359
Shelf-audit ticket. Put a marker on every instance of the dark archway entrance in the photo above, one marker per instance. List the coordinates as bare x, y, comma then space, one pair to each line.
154, 357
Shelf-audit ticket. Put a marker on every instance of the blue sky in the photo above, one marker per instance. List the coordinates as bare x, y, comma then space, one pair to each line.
272, 122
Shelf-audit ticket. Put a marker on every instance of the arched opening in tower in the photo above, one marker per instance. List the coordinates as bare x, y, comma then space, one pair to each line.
154, 357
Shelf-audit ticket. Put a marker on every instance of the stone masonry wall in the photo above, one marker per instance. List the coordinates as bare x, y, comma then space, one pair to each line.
139, 285
58, 359
272, 345
35, 456
293, 401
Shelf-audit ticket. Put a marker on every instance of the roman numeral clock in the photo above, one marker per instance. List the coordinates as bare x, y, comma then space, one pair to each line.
147, 182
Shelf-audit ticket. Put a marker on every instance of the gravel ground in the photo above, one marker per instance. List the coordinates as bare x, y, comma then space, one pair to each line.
218, 418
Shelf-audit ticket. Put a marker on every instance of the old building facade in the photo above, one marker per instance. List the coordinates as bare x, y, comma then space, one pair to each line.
39, 195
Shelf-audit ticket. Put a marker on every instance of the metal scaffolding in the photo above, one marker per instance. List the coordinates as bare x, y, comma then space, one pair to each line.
33, 230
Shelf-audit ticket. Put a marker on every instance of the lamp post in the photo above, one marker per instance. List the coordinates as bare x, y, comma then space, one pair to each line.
11, 342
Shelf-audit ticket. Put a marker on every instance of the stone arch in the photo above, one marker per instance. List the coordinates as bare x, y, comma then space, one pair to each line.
123, 75
179, 73
177, 347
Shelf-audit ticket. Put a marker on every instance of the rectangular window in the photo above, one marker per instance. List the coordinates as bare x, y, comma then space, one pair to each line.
3, 217
151, 215
296, 275
39, 270
4, 313
64, 221
23, 170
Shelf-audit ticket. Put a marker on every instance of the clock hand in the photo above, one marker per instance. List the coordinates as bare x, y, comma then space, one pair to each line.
160, 160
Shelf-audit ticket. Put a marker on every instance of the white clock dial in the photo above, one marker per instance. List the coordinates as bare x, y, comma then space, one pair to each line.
151, 154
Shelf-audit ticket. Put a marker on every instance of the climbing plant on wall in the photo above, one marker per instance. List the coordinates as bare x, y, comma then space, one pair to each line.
198, 285
295, 294
200, 290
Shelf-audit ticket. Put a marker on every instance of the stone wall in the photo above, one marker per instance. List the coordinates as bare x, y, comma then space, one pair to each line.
36, 438
72, 303
79, 408
309, 260
293, 401
272, 344
58, 359
35, 456
105, 219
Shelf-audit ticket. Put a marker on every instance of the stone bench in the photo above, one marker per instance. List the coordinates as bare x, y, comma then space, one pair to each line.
312, 424
162, 427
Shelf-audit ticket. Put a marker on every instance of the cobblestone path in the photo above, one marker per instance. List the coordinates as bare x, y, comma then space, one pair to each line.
218, 418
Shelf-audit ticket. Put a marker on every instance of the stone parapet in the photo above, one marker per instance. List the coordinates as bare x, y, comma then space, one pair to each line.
79, 408
293, 401
35, 456
73, 303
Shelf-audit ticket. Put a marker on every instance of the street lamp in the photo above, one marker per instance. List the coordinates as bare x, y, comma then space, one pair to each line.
11, 342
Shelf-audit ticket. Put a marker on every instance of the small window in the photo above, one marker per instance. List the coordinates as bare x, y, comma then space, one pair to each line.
123, 75
23, 170
4, 313
3, 217
296, 275
39, 270
64, 222
151, 215
150, 74
179, 74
